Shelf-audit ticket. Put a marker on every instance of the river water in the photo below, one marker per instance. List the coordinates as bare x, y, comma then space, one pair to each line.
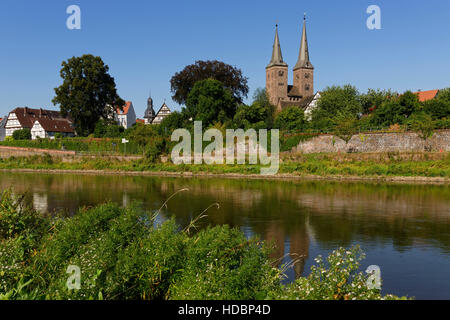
404, 229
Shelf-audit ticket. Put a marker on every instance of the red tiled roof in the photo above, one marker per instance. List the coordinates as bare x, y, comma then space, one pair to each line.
126, 107
427, 95
140, 121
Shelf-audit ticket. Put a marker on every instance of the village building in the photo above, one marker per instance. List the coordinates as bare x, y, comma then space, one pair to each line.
150, 117
51, 122
127, 116
150, 114
301, 93
48, 128
163, 112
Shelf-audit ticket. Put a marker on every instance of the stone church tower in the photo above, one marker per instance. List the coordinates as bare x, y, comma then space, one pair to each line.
280, 93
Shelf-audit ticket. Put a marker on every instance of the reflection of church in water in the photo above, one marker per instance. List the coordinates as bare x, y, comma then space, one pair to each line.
293, 245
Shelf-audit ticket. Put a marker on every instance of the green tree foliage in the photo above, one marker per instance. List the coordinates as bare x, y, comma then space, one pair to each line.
290, 119
346, 126
184, 81
253, 116
104, 129
142, 134
209, 101
422, 123
396, 110
334, 100
439, 108
260, 96
86, 92
175, 120
23, 134
373, 99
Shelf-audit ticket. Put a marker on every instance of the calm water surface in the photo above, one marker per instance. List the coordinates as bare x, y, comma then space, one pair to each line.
402, 228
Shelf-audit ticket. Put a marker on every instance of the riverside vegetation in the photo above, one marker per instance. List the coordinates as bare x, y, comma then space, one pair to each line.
124, 254
412, 164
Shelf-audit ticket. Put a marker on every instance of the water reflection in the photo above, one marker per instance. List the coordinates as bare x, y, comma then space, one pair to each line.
395, 224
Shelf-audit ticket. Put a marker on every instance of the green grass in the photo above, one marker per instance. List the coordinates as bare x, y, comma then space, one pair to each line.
315, 164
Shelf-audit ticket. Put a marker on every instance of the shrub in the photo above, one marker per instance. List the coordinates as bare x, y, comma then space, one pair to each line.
291, 118
336, 279
23, 134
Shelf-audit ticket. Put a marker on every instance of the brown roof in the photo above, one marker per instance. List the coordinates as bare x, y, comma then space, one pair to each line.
27, 116
56, 125
427, 95
293, 91
302, 103
140, 121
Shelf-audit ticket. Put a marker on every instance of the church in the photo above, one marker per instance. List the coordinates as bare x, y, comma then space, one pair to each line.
150, 117
301, 93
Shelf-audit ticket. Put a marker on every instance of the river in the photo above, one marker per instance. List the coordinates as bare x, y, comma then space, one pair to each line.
404, 229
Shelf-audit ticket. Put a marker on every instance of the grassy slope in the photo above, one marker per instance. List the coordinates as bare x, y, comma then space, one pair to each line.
360, 165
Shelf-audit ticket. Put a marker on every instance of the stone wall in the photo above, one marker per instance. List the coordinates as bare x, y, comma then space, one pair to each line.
377, 142
6, 152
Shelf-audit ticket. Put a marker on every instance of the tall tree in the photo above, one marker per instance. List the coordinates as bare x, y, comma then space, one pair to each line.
183, 82
210, 102
88, 92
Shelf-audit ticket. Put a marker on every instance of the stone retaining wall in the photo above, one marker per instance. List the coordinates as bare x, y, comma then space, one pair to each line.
377, 142
6, 152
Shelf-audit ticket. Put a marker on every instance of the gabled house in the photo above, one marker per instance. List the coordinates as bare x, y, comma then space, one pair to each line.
48, 128
25, 118
163, 112
126, 117
311, 106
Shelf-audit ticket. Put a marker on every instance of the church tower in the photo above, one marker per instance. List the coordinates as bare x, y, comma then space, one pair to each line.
277, 74
304, 70
149, 112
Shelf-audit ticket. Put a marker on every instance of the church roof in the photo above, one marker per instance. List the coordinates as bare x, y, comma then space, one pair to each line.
303, 56
302, 103
277, 56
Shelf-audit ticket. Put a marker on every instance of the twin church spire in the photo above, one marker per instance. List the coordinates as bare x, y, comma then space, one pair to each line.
303, 56
280, 93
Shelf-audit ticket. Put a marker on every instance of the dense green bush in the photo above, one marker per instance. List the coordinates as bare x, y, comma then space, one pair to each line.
291, 119
23, 134
104, 129
123, 253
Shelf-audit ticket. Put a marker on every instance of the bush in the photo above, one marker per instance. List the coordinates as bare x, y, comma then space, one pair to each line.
223, 265
337, 279
291, 118
23, 134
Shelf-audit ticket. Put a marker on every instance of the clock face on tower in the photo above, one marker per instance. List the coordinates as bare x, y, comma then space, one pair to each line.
280, 73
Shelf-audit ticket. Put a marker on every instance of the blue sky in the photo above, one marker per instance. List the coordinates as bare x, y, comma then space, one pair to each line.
146, 42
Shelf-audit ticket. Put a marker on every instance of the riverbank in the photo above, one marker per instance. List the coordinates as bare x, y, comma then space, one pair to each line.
402, 168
